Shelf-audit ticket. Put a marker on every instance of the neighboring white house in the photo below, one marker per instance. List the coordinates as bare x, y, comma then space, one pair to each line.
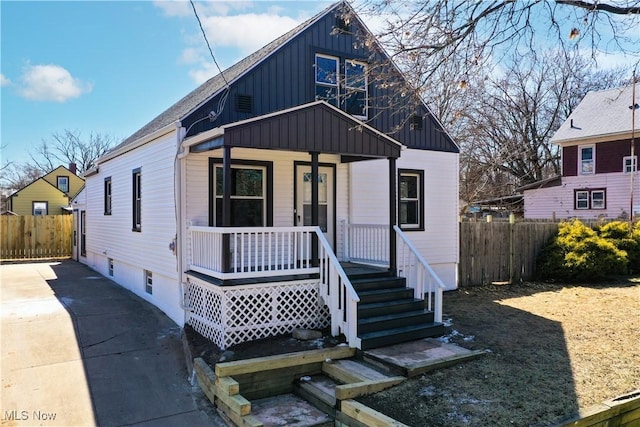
231, 209
598, 169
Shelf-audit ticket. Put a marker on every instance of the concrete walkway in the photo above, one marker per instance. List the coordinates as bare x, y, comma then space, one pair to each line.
78, 350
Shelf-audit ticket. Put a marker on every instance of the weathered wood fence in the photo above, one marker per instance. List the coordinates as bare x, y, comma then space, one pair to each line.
501, 251
36, 237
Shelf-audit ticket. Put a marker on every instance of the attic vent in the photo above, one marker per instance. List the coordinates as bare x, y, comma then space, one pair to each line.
342, 24
244, 104
415, 122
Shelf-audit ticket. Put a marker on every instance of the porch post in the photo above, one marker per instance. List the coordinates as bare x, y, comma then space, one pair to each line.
315, 209
226, 208
392, 215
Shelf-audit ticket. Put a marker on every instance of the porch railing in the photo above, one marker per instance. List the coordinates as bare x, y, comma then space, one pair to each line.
269, 251
338, 293
419, 274
366, 243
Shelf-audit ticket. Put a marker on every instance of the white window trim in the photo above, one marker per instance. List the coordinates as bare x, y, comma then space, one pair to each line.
587, 199
63, 178
355, 89
633, 164
604, 201
593, 159
417, 199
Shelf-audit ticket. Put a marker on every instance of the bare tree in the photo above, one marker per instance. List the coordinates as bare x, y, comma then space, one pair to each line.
71, 147
429, 33
63, 148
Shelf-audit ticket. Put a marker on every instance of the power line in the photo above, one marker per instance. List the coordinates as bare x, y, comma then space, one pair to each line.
193, 6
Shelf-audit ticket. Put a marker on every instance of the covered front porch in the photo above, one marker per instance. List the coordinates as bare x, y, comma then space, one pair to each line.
267, 242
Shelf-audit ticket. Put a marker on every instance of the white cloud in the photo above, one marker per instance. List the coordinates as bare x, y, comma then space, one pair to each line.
190, 55
247, 32
4, 81
174, 8
204, 72
51, 83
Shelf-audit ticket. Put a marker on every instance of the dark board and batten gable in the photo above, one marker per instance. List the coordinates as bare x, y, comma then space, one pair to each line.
281, 75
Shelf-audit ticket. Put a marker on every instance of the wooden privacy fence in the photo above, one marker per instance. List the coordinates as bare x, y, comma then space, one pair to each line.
35, 237
501, 251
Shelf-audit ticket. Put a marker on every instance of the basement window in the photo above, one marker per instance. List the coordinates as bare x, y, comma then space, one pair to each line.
111, 267
148, 279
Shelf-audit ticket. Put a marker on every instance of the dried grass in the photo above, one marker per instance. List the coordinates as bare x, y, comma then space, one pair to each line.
553, 349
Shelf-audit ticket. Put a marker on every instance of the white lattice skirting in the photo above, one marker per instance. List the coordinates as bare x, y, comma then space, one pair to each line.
229, 315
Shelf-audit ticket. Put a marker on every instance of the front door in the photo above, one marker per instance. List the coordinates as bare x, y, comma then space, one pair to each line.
326, 199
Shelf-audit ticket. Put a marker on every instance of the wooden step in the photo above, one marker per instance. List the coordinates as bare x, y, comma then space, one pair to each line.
351, 371
378, 282
389, 307
289, 410
383, 295
392, 336
318, 390
394, 320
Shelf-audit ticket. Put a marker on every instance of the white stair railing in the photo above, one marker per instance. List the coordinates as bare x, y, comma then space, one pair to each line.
419, 274
338, 293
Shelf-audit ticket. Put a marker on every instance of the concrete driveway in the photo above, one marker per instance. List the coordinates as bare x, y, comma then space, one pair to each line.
78, 350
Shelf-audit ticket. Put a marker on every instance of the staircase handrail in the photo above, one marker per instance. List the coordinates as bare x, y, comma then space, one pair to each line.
427, 268
334, 283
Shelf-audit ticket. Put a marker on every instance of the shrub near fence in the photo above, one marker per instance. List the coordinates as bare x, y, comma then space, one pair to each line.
501, 251
35, 237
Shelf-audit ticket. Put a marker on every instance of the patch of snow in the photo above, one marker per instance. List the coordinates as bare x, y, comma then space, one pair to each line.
428, 391
447, 322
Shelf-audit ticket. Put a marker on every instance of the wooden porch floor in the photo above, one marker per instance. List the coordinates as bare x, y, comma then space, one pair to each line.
351, 268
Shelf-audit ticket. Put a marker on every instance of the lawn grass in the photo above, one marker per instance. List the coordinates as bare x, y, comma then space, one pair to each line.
553, 349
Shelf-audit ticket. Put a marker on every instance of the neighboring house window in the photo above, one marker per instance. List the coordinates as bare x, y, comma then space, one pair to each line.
590, 199
327, 83
597, 199
630, 164
111, 267
411, 199
137, 199
63, 183
148, 282
349, 93
587, 159
248, 195
107, 196
582, 199
40, 208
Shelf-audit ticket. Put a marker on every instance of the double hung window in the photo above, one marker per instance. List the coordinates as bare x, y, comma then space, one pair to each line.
411, 199
590, 199
342, 83
587, 160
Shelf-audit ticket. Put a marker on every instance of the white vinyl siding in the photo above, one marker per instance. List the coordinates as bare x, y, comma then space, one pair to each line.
559, 202
110, 236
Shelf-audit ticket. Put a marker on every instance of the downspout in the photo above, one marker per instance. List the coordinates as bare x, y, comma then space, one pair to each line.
179, 189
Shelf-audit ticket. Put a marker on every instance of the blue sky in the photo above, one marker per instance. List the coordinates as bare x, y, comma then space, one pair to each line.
111, 66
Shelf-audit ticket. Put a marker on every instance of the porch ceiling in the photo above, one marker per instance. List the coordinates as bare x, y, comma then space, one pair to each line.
315, 127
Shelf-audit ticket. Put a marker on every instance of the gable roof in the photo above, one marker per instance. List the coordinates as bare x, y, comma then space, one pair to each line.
316, 126
44, 178
600, 114
216, 84
34, 182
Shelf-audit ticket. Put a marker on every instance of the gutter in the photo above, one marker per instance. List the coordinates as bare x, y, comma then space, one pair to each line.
118, 151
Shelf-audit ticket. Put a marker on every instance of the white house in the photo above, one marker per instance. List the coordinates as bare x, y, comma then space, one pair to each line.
599, 171
289, 197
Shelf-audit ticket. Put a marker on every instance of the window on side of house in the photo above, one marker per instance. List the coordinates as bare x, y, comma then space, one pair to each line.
587, 159
582, 199
62, 182
411, 199
630, 164
148, 282
355, 78
598, 199
40, 208
110, 261
327, 79
248, 195
107, 196
137, 199
590, 199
